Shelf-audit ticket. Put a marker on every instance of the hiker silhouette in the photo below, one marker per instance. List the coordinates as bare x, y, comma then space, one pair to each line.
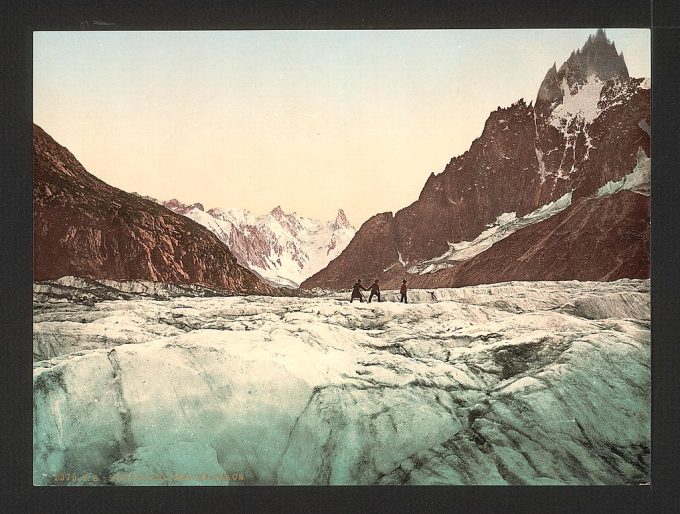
402, 290
356, 291
375, 291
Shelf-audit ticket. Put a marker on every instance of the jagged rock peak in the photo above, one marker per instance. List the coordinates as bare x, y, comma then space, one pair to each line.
173, 202
598, 57
277, 212
341, 220
179, 207
283, 217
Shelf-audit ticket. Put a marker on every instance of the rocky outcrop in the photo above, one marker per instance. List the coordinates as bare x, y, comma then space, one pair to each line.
85, 227
588, 126
180, 208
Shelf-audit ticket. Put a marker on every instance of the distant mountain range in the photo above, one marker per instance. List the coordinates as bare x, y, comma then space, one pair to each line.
84, 227
282, 248
557, 190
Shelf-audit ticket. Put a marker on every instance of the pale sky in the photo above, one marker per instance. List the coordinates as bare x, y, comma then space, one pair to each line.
309, 120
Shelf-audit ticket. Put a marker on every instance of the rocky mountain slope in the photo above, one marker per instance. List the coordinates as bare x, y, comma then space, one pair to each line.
281, 247
615, 230
588, 127
85, 227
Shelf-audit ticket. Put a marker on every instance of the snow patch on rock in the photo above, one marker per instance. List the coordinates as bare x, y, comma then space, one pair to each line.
504, 225
579, 104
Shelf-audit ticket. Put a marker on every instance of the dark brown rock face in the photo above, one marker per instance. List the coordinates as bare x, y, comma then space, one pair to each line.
588, 124
595, 239
84, 227
363, 249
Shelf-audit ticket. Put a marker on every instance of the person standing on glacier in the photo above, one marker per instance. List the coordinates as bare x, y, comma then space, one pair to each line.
356, 291
402, 290
375, 290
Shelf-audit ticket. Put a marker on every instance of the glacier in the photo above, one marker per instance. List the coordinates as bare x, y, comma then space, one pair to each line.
512, 383
638, 180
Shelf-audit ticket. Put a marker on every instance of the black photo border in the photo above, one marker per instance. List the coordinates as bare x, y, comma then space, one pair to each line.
20, 18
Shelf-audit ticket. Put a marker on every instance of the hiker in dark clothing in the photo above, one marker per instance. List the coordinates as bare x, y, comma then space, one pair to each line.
375, 290
356, 291
402, 290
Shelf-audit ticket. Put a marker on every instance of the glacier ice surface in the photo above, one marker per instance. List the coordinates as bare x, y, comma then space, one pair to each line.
513, 383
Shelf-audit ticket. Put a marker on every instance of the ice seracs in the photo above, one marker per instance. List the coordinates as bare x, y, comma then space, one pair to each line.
638, 180
514, 383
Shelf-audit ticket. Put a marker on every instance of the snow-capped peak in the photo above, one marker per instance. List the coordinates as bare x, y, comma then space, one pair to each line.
597, 59
282, 248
